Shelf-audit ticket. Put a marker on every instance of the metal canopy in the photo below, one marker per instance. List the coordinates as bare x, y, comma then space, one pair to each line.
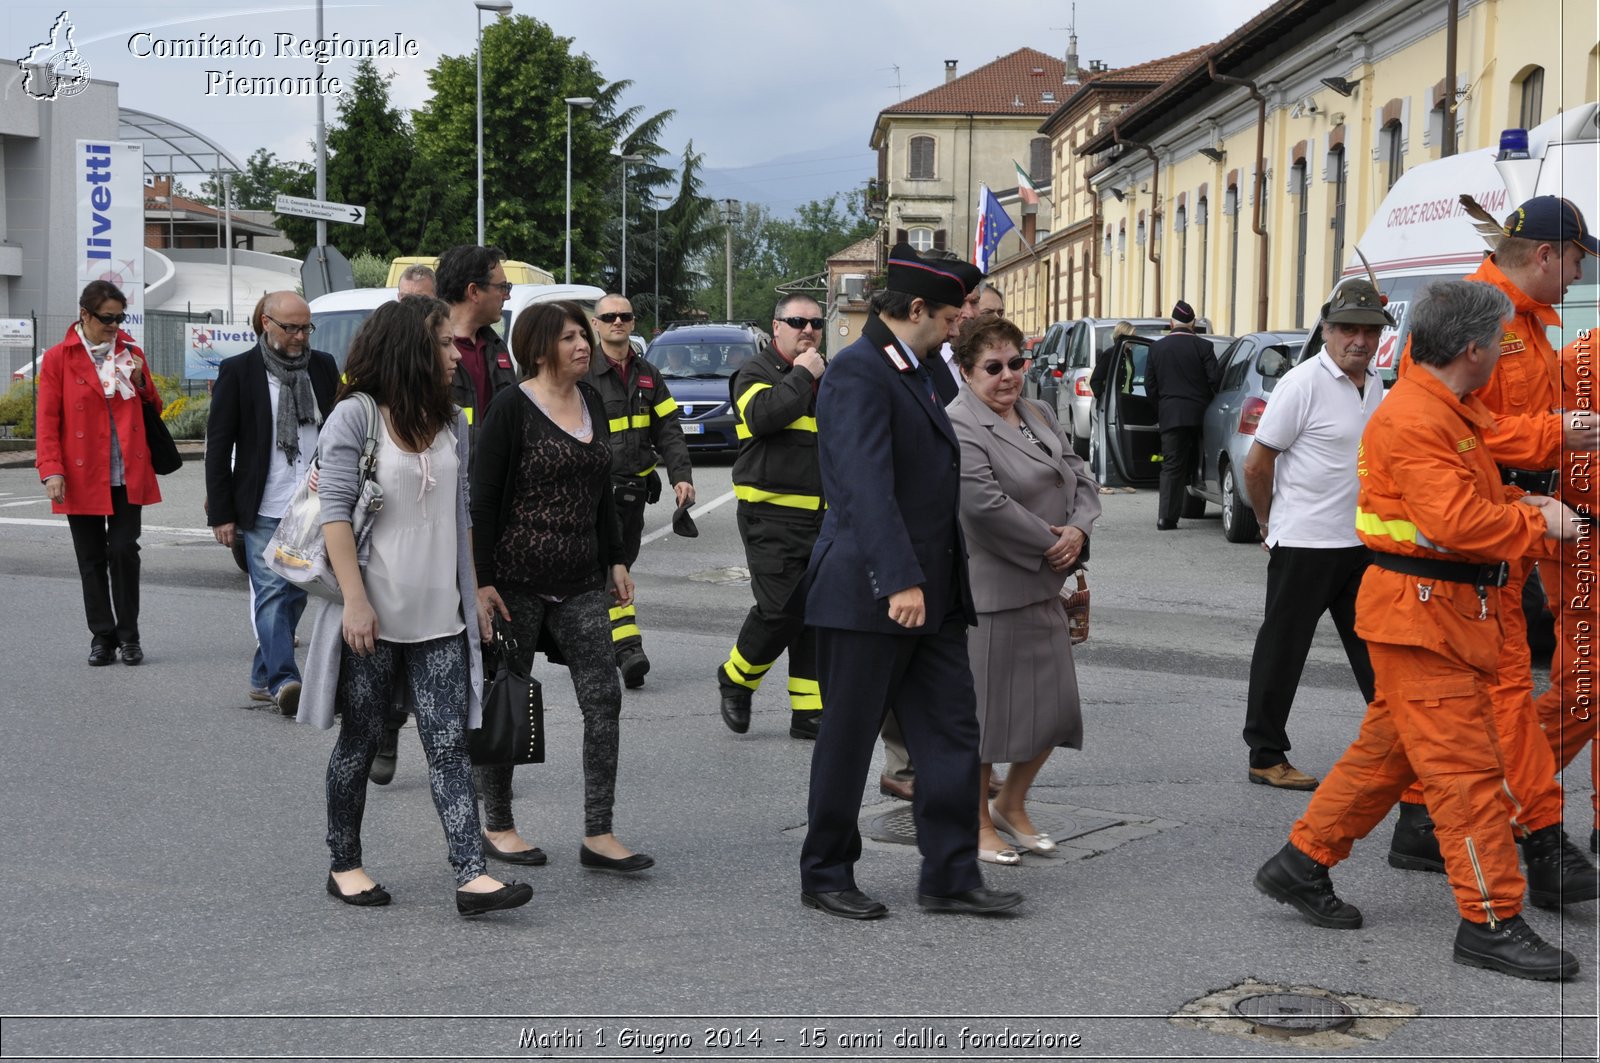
173, 148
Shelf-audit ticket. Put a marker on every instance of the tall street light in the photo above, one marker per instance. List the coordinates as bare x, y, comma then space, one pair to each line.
499, 7
585, 102
657, 203
625, 159
730, 215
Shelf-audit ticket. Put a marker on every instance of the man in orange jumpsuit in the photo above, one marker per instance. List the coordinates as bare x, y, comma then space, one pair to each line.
1433, 511
1568, 711
1540, 256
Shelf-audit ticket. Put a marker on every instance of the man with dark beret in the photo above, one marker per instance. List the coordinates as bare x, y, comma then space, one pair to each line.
891, 608
1180, 378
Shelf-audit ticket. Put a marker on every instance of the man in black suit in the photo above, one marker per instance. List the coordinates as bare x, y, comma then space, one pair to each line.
1180, 377
261, 434
887, 591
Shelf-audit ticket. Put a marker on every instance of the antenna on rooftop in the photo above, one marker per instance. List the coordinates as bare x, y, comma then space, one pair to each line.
899, 89
1070, 75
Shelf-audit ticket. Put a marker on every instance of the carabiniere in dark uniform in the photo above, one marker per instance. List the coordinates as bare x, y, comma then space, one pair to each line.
645, 431
778, 483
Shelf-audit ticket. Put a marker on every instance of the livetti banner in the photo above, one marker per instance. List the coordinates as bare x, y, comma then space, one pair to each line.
110, 192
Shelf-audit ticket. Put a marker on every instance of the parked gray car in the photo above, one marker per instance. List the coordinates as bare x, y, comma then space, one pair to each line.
1250, 368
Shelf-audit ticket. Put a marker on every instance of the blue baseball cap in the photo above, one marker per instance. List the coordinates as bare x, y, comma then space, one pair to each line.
1551, 219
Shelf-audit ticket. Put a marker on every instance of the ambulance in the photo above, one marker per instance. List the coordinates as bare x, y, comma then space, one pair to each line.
1421, 233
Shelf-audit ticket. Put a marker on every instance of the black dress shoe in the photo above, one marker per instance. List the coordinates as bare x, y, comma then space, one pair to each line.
846, 904
804, 725
534, 857
1293, 878
132, 653
1166, 525
1512, 947
383, 763
511, 895
889, 786
980, 901
367, 898
1415, 845
627, 865
736, 710
634, 666
100, 655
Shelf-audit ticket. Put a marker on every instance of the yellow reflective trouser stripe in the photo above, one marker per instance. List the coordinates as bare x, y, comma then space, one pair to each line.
741, 671
624, 632
737, 659
805, 695
745, 493
662, 408
1401, 531
731, 670
469, 412
621, 611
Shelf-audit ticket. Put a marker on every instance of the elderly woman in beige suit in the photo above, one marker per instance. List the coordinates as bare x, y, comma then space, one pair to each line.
1027, 507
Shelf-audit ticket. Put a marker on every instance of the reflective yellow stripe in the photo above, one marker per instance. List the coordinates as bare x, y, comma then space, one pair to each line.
805, 695
646, 472
1401, 531
622, 424
469, 414
799, 424
618, 634
621, 611
618, 424
665, 406
641, 420
750, 393
736, 659
745, 493
732, 673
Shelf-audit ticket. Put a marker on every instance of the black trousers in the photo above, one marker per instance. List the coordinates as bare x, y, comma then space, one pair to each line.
1302, 584
1180, 450
777, 552
108, 567
926, 680
625, 635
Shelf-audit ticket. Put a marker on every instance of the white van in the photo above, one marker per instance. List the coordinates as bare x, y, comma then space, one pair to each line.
338, 315
1421, 234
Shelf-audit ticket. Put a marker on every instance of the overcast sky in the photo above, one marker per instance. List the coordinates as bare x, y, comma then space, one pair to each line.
751, 80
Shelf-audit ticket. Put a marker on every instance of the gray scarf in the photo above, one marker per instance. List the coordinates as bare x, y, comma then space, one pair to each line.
297, 405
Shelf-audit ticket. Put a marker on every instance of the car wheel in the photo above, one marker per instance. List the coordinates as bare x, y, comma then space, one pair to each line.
238, 554
1238, 520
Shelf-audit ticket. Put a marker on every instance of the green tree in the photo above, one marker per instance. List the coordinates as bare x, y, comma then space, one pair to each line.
371, 153
264, 178
688, 226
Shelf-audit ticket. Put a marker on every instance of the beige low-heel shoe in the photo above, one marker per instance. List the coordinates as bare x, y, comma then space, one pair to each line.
1036, 843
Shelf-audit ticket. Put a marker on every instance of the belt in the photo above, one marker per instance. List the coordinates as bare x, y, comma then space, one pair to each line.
1533, 481
1480, 576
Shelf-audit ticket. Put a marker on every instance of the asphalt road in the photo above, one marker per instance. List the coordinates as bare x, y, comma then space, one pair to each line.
164, 854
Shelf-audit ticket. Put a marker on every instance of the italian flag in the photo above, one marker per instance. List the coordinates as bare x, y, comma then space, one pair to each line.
1025, 190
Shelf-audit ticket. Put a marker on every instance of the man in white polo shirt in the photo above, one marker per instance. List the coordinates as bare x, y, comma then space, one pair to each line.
1301, 476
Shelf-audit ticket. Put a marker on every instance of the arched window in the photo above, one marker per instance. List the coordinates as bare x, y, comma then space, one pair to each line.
1039, 160
1531, 107
920, 238
920, 159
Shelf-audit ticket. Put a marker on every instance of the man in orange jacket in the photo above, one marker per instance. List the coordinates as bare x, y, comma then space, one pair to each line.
1433, 511
1539, 257
1568, 711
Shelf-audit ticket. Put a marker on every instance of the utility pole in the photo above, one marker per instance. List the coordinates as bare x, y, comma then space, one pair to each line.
730, 215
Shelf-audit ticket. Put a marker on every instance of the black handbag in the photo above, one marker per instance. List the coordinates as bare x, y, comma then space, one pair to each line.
164, 456
513, 711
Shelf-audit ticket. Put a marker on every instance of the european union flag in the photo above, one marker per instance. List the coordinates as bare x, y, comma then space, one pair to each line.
993, 223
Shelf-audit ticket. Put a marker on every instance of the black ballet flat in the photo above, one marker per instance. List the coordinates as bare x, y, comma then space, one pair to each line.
368, 898
625, 866
535, 857
511, 895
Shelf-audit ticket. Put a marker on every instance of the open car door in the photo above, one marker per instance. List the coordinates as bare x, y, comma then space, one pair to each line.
1132, 433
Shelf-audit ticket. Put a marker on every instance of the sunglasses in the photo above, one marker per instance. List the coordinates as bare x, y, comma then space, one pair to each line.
293, 330
107, 319
504, 287
1016, 365
614, 316
799, 323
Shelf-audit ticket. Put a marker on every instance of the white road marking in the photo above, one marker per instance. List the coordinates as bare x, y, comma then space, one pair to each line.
698, 510
24, 502
61, 522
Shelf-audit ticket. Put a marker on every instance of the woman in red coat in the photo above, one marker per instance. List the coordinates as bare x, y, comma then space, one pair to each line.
95, 462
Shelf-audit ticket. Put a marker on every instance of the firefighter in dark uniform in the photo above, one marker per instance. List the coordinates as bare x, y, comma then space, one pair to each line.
644, 433
778, 483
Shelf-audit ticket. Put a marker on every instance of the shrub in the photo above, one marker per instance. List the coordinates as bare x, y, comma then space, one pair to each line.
18, 407
189, 422
369, 270
171, 410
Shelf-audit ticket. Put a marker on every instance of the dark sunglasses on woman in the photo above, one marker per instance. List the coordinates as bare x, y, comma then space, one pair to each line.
1016, 365
107, 319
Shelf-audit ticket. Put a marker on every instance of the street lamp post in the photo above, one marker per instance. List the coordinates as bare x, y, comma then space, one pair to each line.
572, 101
625, 159
730, 214
657, 204
499, 7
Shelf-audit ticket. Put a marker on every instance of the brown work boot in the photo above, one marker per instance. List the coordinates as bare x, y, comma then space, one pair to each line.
1284, 776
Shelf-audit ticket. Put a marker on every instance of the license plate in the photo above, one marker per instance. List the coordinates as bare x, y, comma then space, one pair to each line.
694, 429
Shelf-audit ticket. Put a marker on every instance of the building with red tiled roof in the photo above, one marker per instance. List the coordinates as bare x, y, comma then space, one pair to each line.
936, 148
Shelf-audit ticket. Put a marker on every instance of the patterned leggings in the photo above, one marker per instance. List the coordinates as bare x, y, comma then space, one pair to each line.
437, 673
581, 626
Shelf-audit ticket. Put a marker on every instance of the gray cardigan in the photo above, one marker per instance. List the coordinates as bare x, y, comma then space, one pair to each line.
339, 448
1011, 492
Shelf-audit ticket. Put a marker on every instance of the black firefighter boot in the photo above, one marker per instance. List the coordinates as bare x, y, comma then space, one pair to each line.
1558, 873
1293, 878
1512, 947
1415, 846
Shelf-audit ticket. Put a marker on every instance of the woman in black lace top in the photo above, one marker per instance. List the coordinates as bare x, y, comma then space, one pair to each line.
547, 547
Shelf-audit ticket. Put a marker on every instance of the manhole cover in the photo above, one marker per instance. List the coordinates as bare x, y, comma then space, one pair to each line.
897, 826
1294, 1014
724, 576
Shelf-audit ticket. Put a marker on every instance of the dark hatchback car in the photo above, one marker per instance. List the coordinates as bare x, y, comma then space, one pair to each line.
697, 362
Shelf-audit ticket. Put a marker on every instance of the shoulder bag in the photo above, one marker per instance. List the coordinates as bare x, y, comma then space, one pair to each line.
164, 456
297, 551
513, 711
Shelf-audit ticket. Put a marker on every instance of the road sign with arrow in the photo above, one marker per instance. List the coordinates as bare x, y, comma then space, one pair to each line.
321, 209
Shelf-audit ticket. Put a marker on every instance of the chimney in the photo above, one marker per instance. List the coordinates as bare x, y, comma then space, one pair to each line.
949, 71
1070, 76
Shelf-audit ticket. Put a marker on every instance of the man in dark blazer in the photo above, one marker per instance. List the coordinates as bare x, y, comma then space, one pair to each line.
261, 434
1180, 377
887, 591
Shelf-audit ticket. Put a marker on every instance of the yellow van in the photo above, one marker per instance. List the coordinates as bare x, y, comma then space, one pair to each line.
516, 272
